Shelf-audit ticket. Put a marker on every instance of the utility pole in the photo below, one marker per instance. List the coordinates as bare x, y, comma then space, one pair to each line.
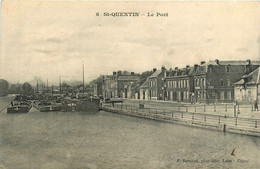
47, 87
37, 87
60, 84
83, 78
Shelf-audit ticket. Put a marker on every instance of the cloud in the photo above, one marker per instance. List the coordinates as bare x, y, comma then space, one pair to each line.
54, 40
242, 49
43, 51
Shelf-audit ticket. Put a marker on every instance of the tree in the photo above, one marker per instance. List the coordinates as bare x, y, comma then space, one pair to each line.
4, 85
27, 88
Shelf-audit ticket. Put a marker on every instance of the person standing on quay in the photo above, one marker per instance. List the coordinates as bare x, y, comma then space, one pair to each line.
256, 106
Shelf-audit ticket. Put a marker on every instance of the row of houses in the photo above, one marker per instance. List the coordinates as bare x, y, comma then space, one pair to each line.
207, 82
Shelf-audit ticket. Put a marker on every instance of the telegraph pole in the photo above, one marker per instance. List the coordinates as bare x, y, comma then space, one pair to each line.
83, 78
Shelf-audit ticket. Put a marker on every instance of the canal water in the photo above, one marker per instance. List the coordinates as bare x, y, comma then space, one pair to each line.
103, 140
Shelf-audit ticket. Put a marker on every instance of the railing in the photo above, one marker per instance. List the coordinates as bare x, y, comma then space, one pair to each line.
182, 113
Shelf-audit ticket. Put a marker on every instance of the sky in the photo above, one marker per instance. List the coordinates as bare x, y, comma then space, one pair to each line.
45, 40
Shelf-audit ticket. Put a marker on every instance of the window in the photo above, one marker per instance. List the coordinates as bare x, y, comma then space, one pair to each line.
229, 95
228, 82
210, 68
222, 95
227, 68
221, 82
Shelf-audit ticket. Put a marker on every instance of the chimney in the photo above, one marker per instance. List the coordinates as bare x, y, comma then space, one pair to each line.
176, 68
187, 66
119, 72
217, 61
132, 73
114, 73
195, 67
154, 69
202, 62
248, 61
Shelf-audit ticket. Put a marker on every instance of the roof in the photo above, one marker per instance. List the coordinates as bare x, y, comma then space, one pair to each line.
254, 78
156, 73
233, 62
145, 84
127, 77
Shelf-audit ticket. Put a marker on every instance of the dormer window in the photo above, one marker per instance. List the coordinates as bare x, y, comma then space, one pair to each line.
227, 68
210, 68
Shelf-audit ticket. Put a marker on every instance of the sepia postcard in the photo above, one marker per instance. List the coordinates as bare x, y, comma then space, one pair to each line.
129, 85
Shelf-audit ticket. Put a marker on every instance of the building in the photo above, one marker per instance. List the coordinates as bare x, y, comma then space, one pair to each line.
121, 85
157, 89
179, 85
214, 80
247, 89
98, 89
144, 90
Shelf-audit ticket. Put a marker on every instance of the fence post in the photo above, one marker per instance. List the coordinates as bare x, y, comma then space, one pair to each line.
149, 110
204, 108
172, 113
186, 109
192, 116
156, 111
204, 117
126, 107
214, 107
178, 108
163, 112
131, 109
255, 123
226, 108
181, 114
195, 108
252, 107
218, 119
236, 120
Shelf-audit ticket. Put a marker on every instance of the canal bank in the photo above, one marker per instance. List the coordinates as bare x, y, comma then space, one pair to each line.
242, 126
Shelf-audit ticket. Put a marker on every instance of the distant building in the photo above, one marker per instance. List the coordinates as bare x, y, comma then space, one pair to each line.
179, 85
247, 89
97, 89
120, 85
214, 80
144, 90
157, 89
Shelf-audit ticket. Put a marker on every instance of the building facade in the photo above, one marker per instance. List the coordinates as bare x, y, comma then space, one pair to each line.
179, 85
156, 84
214, 80
247, 89
120, 85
